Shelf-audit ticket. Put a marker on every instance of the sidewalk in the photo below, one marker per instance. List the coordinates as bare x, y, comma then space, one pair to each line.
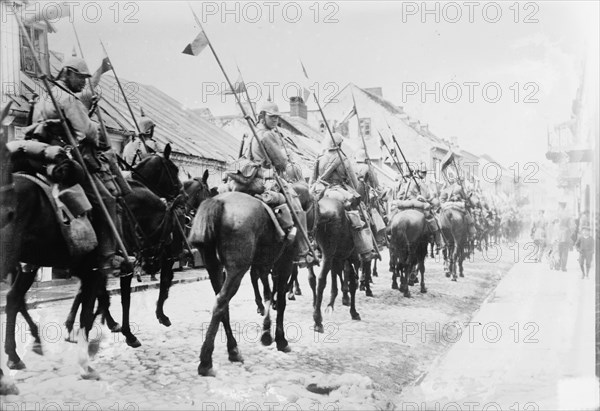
57, 290
531, 346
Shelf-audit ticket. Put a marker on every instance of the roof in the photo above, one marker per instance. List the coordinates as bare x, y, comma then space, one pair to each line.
186, 130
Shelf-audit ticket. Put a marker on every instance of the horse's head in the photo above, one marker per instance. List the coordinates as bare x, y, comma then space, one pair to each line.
159, 174
197, 191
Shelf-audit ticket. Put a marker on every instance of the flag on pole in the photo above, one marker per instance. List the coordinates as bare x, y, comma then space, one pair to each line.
351, 114
104, 67
50, 12
306, 92
447, 160
238, 87
196, 46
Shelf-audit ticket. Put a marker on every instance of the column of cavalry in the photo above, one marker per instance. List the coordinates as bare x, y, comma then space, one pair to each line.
67, 204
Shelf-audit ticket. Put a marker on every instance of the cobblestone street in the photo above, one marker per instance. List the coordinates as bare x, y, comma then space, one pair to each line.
365, 364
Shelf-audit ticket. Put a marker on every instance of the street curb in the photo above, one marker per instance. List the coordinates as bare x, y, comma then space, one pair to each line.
112, 290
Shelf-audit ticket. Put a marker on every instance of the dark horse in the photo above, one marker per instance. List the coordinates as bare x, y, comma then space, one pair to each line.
36, 214
7, 215
454, 227
234, 231
333, 234
409, 238
148, 225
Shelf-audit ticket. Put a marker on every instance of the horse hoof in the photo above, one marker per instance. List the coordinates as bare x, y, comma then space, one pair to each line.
8, 388
135, 343
394, 286
298, 292
285, 349
37, 348
355, 316
411, 283
235, 355
115, 328
19, 365
423, 290
461, 275
346, 301
407, 294
266, 339
261, 311
416, 280
206, 371
369, 293
291, 297
319, 328
448, 275
361, 287
453, 278
164, 320
90, 374
329, 309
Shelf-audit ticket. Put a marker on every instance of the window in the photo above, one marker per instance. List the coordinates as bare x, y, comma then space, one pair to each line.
365, 126
39, 38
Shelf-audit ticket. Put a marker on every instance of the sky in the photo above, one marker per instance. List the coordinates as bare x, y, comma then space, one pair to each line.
494, 74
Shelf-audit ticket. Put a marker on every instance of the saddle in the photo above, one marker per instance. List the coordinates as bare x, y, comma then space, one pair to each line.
399, 205
70, 206
454, 205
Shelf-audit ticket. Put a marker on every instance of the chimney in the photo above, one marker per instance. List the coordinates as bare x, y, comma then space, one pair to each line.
297, 107
378, 91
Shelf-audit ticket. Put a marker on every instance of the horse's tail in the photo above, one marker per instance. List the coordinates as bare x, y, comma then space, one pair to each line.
205, 227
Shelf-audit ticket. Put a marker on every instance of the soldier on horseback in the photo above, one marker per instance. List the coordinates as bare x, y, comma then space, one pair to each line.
454, 192
411, 191
47, 129
133, 152
339, 179
256, 176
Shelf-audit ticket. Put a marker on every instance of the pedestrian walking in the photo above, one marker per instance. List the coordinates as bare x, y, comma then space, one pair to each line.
538, 235
585, 247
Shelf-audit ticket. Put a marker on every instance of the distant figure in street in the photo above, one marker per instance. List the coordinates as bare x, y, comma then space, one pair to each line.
585, 247
565, 225
538, 235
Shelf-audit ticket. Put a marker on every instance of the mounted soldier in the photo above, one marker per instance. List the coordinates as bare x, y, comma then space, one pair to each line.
134, 151
70, 81
256, 171
334, 176
453, 192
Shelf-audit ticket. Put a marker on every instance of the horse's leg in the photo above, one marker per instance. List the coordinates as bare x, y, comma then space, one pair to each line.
344, 286
260, 308
394, 267
461, 258
453, 255
297, 291
335, 266
220, 309
33, 328
293, 279
7, 386
375, 269
104, 308
368, 280
283, 268
73, 312
446, 253
264, 278
321, 283
351, 278
166, 279
312, 281
404, 275
90, 283
15, 299
125, 281
422, 270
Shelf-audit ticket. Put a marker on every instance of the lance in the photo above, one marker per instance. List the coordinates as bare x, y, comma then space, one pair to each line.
112, 67
350, 181
404, 158
278, 179
394, 159
72, 140
368, 158
254, 116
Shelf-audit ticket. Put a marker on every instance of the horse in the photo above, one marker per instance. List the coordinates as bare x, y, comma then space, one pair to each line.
408, 243
455, 229
234, 231
333, 234
7, 215
147, 227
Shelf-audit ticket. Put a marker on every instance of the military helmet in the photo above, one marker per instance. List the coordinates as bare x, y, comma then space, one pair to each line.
76, 64
422, 169
360, 156
336, 141
146, 125
269, 108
